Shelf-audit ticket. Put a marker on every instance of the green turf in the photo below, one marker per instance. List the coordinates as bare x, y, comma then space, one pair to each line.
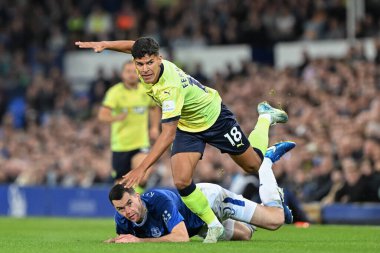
57, 235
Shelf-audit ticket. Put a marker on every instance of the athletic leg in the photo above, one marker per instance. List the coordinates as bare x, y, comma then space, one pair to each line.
237, 230
273, 214
183, 165
227, 136
259, 137
228, 205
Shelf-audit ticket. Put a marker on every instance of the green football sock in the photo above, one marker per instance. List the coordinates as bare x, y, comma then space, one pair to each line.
198, 204
259, 136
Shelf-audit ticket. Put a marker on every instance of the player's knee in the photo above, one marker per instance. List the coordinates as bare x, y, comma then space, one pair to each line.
246, 236
251, 169
181, 184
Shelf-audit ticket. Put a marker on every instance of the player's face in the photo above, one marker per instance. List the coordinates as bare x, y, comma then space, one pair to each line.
149, 68
131, 207
129, 74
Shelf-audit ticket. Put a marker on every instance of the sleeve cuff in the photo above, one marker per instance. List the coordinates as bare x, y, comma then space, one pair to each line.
171, 119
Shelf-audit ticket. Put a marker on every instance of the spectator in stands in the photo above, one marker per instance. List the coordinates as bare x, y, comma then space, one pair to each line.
356, 187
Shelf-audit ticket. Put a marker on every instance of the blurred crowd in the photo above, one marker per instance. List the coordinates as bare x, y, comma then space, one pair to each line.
50, 135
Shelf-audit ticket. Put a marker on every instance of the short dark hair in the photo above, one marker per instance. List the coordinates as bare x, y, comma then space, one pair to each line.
117, 192
145, 46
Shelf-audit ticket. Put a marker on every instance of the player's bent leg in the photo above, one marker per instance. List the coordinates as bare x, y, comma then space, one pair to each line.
233, 231
271, 218
183, 165
270, 193
227, 204
237, 230
268, 115
250, 161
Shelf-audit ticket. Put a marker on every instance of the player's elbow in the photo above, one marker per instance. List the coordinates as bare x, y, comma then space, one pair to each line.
277, 221
184, 239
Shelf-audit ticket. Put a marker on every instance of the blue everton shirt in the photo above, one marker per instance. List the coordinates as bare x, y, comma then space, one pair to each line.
165, 210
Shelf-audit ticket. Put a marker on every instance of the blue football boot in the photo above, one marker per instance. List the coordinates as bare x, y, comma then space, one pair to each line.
276, 151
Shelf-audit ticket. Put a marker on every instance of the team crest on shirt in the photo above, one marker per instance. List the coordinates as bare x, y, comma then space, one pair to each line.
168, 106
166, 216
155, 231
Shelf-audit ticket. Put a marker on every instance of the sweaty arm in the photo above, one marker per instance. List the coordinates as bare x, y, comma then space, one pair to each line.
124, 46
154, 118
105, 115
162, 143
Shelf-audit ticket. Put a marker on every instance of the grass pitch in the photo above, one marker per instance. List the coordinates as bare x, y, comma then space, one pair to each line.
59, 235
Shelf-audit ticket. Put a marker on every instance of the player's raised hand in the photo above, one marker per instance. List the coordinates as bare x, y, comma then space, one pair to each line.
97, 46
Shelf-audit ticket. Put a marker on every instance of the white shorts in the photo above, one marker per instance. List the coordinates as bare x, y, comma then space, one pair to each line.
226, 204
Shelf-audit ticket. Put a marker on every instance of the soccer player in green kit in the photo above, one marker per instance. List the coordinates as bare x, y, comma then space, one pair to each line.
192, 115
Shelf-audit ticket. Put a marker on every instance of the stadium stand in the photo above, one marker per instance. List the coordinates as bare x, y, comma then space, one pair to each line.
49, 135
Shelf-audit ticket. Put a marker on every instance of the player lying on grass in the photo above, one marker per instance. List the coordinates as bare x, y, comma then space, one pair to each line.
160, 215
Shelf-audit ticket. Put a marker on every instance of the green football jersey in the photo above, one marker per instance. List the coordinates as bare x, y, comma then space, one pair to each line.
182, 97
131, 133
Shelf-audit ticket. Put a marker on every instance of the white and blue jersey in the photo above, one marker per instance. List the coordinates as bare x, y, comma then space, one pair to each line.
165, 210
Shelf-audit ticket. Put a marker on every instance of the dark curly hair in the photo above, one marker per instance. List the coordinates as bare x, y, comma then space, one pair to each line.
145, 46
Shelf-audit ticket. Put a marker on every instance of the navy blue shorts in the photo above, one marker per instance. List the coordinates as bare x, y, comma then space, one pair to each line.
225, 134
122, 161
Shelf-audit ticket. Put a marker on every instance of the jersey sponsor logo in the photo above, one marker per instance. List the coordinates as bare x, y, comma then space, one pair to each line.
166, 216
139, 109
149, 194
155, 231
168, 106
144, 150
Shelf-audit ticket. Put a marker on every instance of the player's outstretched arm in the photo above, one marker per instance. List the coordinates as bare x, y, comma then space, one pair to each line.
178, 234
124, 46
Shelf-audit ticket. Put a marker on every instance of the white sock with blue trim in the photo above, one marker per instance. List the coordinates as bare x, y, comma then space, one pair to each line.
268, 185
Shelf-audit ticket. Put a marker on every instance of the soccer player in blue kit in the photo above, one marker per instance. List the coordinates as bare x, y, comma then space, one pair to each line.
193, 115
160, 215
